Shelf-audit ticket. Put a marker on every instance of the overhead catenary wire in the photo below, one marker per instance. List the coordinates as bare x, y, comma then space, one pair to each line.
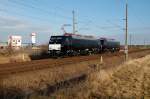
27, 16
31, 6
94, 25
139, 21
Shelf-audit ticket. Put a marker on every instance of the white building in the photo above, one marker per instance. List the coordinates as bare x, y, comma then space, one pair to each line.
15, 41
33, 38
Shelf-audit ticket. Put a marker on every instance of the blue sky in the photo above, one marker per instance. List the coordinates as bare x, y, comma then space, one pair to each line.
94, 17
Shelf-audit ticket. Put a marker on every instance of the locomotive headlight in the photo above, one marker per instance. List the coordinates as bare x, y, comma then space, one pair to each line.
54, 46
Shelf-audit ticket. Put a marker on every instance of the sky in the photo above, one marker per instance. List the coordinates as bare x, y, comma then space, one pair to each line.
100, 18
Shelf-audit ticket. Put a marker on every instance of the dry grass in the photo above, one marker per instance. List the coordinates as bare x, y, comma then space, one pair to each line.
3, 60
9, 55
129, 80
40, 79
18, 57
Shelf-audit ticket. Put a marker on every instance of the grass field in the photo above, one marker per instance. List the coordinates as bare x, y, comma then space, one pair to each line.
130, 80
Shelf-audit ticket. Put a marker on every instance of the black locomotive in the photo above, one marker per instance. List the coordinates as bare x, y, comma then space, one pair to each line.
73, 44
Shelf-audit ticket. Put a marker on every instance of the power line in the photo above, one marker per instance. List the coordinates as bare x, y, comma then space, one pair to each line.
116, 25
31, 6
39, 9
139, 19
25, 6
33, 17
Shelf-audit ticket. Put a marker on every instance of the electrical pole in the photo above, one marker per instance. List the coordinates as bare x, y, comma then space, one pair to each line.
144, 42
130, 40
126, 33
73, 26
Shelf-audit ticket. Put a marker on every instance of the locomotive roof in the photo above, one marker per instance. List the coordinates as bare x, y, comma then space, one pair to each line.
109, 39
78, 36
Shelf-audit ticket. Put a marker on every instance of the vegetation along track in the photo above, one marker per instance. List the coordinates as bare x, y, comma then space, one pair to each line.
13, 68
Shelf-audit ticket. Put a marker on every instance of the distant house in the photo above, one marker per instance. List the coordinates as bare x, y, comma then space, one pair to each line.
15, 41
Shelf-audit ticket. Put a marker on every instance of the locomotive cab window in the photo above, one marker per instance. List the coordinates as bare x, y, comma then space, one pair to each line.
56, 39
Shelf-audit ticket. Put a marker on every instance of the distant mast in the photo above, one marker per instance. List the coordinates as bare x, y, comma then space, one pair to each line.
126, 32
73, 20
33, 39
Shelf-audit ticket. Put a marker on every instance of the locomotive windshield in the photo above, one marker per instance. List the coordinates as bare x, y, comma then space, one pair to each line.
56, 39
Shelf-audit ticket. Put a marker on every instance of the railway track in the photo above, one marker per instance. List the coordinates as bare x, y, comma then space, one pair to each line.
14, 68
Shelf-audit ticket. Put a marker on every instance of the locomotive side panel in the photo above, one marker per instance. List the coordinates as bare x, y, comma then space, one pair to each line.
109, 45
